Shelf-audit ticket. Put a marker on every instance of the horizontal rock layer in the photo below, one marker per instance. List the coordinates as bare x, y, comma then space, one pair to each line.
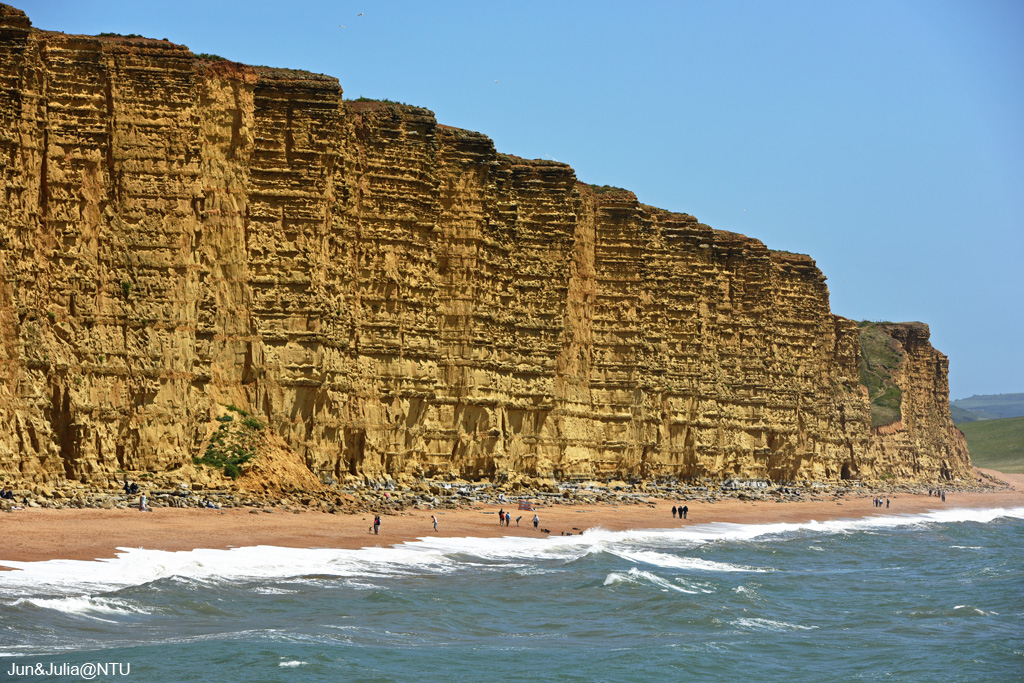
392, 296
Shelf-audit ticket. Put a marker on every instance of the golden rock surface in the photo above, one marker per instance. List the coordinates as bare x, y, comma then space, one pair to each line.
392, 296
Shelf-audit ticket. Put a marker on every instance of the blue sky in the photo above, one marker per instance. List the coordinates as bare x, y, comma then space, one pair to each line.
885, 139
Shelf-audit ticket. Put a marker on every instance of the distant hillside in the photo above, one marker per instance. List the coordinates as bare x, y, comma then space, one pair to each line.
996, 444
960, 415
988, 407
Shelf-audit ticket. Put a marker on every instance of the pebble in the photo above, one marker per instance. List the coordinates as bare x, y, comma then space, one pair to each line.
427, 495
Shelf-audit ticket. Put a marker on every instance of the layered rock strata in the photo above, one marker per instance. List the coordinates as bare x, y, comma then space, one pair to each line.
393, 297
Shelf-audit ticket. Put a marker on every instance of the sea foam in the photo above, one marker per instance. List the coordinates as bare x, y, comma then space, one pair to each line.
637, 576
431, 555
86, 606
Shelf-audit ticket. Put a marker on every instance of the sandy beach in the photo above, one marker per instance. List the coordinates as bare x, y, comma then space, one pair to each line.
86, 534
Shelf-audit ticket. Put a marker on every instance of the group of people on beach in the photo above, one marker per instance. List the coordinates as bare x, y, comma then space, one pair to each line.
505, 518
938, 493
880, 502
131, 488
682, 511
6, 494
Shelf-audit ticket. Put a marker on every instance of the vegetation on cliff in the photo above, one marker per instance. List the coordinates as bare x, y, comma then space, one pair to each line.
604, 189
234, 442
881, 359
382, 101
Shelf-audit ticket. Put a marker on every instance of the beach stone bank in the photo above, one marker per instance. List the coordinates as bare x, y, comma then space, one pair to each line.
386, 497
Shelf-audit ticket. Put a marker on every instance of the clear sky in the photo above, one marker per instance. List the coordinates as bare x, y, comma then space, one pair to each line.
885, 139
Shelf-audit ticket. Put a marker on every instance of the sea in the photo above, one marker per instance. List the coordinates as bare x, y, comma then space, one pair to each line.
937, 597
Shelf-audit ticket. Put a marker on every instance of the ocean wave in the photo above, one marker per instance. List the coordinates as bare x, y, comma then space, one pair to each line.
434, 555
272, 590
971, 609
86, 606
669, 561
748, 593
137, 566
638, 576
731, 532
758, 624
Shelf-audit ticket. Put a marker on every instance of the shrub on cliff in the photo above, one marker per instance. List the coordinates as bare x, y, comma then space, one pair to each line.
233, 443
881, 357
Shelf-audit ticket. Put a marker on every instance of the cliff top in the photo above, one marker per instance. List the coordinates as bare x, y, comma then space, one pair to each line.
276, 77
12, 16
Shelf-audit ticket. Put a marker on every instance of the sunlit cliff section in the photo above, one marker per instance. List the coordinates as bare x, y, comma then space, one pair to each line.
393, 297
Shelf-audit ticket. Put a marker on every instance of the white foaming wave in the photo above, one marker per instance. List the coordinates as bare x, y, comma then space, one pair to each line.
975, 610
137, 566
759, 624
272, 590
504, 549
292, 663
638, 576
727, 531
84, 605
508, 550
979, 515
680, 562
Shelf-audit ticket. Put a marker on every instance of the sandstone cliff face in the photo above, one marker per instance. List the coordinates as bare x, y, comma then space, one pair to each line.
925, 427
392, 296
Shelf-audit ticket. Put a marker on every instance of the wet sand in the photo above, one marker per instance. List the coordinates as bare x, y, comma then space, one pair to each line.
85, 534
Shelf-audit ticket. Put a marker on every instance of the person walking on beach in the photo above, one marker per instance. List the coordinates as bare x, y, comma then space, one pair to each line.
376, 524
434, 520
683, 510
673, 512
501, 517
536, 521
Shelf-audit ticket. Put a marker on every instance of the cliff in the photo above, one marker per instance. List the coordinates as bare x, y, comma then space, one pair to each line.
392, 297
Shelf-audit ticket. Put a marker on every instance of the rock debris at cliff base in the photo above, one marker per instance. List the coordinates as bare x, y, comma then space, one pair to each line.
392, 298
169, 492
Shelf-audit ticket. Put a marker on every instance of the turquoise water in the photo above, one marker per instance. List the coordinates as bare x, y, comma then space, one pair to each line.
933, 597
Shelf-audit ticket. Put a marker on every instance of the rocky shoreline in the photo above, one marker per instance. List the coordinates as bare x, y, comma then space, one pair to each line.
177, 522
385, 496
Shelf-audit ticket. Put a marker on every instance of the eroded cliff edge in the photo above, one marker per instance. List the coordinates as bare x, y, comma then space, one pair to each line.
392, 296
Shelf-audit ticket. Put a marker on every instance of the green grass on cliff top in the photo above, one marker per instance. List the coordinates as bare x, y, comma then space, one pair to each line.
881, 356
383, 101
996, 444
